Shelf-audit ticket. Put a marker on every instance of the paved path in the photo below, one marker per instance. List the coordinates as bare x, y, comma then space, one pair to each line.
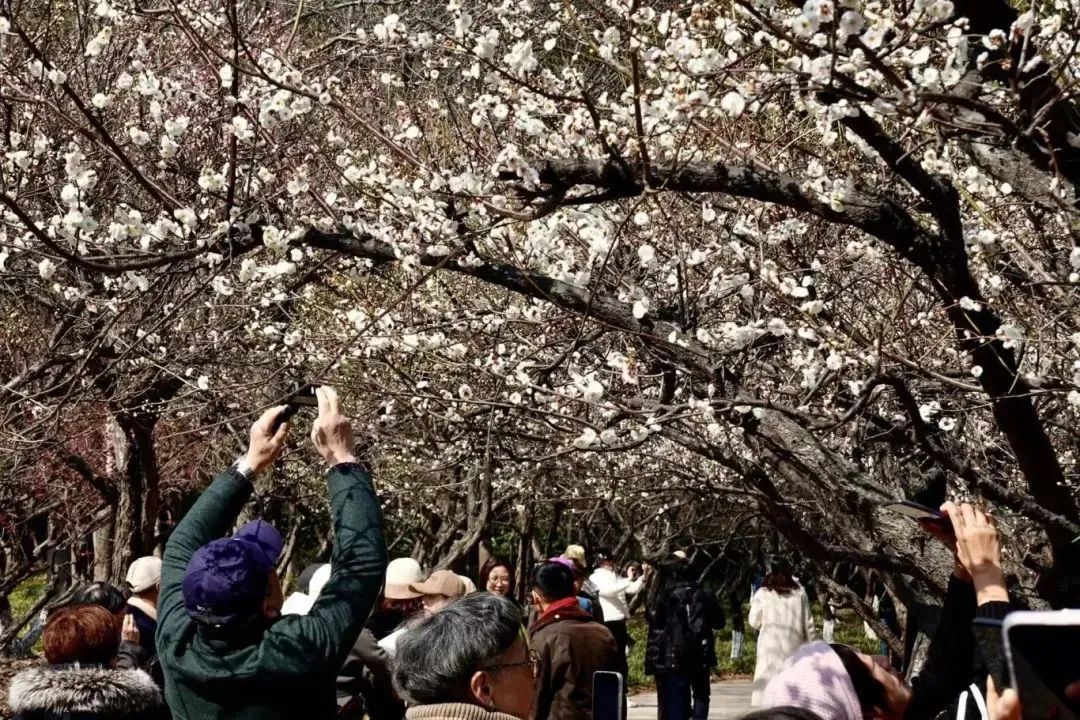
729, 699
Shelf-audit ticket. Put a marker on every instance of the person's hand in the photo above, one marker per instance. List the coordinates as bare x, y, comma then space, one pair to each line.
1003, 706
129, 631
266, 443
332, 432
942, 531
978, 550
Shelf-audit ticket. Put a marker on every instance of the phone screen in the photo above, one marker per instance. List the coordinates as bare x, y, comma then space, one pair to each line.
914, 510
609, 699
1046, 670
305, 396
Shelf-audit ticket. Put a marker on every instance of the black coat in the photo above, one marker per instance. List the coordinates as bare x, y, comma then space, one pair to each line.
84, 693
366, 675
680, 630
953, 660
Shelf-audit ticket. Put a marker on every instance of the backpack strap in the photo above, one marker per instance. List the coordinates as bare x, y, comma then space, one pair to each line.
980, 702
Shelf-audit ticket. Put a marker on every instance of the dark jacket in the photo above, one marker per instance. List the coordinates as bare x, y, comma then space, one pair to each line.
366, 674
84, 693
953, 662
143, 655
680, 630
284, 669
572, 646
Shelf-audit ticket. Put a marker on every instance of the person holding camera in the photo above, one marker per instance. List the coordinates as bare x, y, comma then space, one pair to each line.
225, 649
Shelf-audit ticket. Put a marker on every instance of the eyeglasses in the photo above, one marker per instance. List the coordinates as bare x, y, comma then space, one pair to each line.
533, 662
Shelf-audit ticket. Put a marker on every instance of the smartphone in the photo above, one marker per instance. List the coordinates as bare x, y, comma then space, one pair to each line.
608, 696
991, 647
304, 396
914, 510
1044, 664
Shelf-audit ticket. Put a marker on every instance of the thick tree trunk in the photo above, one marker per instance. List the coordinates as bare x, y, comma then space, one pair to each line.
103, 549
135, 519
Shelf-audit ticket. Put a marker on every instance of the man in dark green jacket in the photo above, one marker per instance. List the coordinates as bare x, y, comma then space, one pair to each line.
225, 649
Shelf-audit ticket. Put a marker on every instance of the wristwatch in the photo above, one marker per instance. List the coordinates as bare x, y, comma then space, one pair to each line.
241, 467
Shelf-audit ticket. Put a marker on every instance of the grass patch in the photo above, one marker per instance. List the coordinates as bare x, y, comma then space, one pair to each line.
26, 594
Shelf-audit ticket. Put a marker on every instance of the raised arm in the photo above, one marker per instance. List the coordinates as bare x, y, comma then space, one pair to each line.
214, 513
359, 558
606, 588
977, 586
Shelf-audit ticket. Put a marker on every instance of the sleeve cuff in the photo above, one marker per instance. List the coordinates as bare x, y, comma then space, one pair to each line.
960, 588
996, 610
346, 467
241, 471
241, 466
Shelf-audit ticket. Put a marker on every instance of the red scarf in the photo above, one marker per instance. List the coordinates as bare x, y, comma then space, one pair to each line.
560, 606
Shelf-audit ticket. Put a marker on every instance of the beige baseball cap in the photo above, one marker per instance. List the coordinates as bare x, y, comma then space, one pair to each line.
470, 586
575, 553
441, 582
400, 574
144, 573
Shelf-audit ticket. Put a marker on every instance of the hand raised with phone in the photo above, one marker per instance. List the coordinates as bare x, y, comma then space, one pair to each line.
332, 432
267, 439
978, 549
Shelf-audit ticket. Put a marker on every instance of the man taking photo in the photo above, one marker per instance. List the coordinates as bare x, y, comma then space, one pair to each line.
224, 647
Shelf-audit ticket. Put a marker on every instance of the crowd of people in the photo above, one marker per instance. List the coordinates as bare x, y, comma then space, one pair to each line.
206, 632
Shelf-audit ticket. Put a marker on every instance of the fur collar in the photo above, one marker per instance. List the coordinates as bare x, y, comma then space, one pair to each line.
92, 689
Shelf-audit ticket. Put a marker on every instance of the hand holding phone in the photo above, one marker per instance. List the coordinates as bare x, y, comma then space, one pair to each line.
978, 550
303, 397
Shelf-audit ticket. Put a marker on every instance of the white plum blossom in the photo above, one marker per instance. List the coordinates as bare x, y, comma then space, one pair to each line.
241, 128
586, 440
646, 255
640, 308
99, 41
275, 240
733, 104
177, 126
138, 136
851, 23
1011, 336
521, 59
46, 269
486, 44
211, 181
